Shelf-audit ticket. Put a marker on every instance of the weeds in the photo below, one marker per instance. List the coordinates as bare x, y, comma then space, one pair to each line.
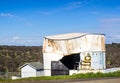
64, 77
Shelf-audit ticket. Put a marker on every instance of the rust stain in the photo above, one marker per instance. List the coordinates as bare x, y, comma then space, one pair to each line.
86, 41
102, 43
44, 45
53, 44
97, 42
67, 47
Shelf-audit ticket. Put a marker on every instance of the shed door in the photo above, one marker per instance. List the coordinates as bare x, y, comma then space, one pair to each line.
57, 68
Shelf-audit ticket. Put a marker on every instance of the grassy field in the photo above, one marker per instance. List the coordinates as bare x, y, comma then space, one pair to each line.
66, 77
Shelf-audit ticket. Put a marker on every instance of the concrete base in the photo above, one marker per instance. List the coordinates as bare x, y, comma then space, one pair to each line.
71, 72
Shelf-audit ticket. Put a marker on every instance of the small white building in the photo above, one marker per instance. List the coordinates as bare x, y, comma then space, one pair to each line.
74, 51
32, 69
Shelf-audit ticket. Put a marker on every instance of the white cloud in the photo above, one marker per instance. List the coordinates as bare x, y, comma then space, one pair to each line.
16, 40
110, 20
73, 5
117, 36
111, 27
16, 18
9, 15
110, 23
113, 37
6, 15
67, 6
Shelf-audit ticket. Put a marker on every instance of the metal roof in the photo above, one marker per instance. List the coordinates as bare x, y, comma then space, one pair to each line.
69, 36
65, 36
35, 65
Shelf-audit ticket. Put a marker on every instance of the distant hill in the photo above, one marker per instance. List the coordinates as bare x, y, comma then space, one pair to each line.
113, 55
11, 57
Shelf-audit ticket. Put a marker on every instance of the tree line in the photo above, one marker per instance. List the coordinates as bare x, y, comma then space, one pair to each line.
12, 57
113, 55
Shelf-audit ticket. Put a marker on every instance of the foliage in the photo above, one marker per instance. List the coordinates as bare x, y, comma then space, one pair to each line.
113, 55
12, 57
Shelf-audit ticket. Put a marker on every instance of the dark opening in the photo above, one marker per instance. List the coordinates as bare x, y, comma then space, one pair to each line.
71, 61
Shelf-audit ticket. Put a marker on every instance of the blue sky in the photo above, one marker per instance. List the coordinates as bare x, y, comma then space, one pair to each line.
26, 22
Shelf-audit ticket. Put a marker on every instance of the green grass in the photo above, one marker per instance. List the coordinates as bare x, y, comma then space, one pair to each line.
65, 77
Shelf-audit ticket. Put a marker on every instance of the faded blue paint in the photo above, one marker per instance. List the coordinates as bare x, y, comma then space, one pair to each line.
97, 60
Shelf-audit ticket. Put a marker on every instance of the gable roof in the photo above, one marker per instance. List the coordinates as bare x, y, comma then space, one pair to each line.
35, 65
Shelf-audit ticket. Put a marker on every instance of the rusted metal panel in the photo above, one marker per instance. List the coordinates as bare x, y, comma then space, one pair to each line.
75, 43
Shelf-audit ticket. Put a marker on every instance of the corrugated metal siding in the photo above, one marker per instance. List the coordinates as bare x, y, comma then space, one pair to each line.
89, 42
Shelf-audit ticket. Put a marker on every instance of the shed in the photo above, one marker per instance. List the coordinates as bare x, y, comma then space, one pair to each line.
32, 69
77, 51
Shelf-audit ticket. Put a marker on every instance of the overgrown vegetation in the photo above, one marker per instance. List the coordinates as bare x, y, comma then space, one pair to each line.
113, 55
12, 57
65, 77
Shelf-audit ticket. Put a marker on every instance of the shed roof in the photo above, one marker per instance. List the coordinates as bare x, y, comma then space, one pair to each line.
35, 65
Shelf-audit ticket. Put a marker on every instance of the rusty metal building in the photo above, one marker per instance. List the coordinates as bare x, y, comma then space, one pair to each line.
73, 51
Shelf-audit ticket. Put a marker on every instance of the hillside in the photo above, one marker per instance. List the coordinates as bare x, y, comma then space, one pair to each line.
11, 57
113, 55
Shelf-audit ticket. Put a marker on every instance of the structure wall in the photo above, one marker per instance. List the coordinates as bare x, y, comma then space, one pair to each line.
58, 68
28, 71
48, 57
40, 73
97, 60
92, 44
